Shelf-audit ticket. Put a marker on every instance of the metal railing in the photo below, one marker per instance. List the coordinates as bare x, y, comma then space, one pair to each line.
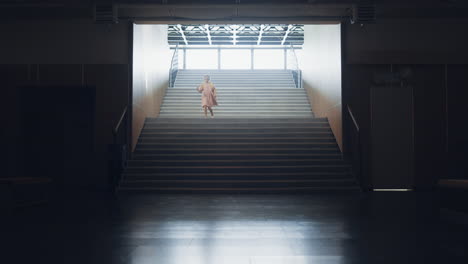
120, 149
356, 148
293, 65
174, 67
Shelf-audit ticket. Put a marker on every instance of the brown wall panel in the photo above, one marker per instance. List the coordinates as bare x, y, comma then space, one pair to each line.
70, 74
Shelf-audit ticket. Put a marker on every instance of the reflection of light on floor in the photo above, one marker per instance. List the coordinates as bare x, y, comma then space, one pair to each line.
297, 260
244, 241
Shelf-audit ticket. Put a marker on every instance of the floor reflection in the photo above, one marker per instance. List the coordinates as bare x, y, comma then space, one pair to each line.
241, 229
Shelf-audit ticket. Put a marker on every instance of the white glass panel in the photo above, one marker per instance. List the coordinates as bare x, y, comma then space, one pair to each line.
268, 59
181, 59
201, 59
235, 59
292, 62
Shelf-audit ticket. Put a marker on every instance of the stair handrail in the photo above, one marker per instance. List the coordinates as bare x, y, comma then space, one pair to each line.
174, 66
356, 125
115, 131
120, 149
293, 65
356, 148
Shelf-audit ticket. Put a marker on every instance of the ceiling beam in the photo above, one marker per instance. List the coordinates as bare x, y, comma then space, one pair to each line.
207, 28
260, 34
182, 33
234, 35
286, 34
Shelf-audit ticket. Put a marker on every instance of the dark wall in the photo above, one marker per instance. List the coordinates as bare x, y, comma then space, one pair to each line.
417, 41
64, 52
436, 54
57, 133
457, 129
70, 41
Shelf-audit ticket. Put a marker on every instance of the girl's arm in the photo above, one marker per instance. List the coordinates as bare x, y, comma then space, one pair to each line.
199, 88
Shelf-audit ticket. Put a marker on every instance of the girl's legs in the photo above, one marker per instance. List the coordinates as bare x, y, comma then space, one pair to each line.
211, 111
205, 109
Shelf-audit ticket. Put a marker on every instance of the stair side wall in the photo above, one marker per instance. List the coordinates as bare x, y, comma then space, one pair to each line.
320, 61
151, 63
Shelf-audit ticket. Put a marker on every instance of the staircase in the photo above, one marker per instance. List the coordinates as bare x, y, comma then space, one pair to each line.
241, 93
275, 145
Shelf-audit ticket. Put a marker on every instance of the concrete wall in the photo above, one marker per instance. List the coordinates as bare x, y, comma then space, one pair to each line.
151, 64
64, 52
63, 42
320, 61
406, 42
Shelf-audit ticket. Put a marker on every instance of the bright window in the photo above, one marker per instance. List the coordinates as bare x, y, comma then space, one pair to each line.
235, 59
268, 59
201, 59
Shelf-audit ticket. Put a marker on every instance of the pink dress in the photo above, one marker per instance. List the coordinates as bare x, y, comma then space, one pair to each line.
208, 94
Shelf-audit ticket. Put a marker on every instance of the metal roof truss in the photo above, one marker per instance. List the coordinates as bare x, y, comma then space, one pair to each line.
258, 34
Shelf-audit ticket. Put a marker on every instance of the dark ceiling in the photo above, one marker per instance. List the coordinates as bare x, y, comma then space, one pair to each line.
226, 11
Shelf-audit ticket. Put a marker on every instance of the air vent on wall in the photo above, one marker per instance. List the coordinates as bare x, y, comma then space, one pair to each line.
105, 14
364, 12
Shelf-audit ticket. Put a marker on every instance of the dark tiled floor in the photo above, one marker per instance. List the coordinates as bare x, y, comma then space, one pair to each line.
242, 229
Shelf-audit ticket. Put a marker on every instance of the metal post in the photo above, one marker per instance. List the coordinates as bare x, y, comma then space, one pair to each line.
285, 58
251, 58
219, 58
185, 56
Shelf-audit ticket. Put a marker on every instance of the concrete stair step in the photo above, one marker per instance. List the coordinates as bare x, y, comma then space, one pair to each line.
238, 168
235, 183
303, 144
246, 99
193, 92
155, 140
226, 151
176, 110
245, 87
249, 190
235, 156
243, 128
239, 121
254, 79
237, 162
197, 107
237, 176
237, 98
240, 89
196, 135
234, 114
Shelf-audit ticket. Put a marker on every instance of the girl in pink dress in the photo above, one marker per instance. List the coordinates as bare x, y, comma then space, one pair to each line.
208, 91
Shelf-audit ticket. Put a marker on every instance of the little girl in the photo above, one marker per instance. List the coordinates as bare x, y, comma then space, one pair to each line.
208, 91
